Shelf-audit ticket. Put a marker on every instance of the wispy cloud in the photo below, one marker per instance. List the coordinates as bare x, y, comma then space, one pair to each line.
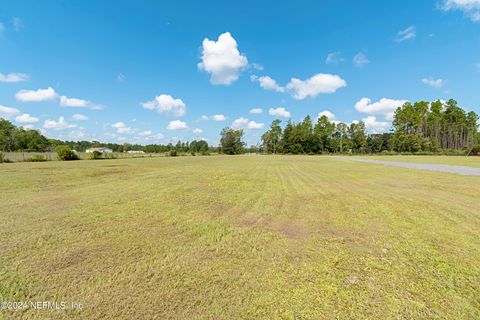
13, 77
408, 33
334, 58
471, 8
360, 59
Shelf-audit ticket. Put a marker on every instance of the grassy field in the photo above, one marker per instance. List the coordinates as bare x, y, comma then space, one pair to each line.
241, 237
447, 160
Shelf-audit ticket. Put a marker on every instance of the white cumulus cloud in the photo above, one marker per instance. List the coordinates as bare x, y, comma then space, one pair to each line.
317, 84
375, 126
73, 102
8, 112
177, 125
255, 125
36, 95
436, 83
13, 77
166, 104
219, 117
78, 103
61, 124
222, 60
122, 128
267, 83
197, 130
256, 110
279, 112
245, 123
384, 106
26, 118
239, 123
330, 116
408, 33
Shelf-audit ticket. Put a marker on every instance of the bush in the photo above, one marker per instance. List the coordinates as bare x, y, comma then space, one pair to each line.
205, 153
66, 154
193, 153
173, 153
95, 155
476, 148
37, 158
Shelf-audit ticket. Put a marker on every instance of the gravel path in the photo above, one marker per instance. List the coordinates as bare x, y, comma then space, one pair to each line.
469, 171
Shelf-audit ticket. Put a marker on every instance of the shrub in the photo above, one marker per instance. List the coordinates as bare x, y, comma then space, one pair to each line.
476, 148
95, 155
65, 153
205, 153
193, 153
37, 158
173, 153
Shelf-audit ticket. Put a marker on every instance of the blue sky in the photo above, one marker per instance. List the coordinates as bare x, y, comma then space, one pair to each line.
154, 72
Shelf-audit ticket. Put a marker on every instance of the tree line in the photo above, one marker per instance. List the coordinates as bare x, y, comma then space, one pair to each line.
13, 138
418, 127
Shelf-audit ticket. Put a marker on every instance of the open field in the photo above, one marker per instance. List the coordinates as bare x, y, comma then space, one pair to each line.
241, 237
447, 160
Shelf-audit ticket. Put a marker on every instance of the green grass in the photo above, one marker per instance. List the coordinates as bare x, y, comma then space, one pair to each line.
241, 237
447, 160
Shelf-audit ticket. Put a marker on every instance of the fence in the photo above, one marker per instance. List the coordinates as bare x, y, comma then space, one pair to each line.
49, 156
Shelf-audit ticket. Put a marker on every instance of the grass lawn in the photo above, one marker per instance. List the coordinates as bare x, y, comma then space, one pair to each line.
241, 237
447, 160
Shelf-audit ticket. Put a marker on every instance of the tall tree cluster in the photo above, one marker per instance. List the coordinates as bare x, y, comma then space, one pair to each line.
418, 127
306, 137
430, 126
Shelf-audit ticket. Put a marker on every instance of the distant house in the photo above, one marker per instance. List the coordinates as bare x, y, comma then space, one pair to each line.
135, 151
101, 150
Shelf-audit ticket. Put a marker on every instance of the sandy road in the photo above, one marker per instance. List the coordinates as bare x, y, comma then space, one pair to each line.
463, 170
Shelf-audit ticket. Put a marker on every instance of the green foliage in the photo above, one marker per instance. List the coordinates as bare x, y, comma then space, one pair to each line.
231, 141
476, 148
7, 130
95, 155
173, 153
37, 158
432, 126
66, 154
422, 127
271, 138
13, 138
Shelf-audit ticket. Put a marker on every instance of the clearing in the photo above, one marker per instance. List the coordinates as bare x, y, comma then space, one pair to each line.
240, 237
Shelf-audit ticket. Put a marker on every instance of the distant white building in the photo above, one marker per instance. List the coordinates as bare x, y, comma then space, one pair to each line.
135, 151
101, 150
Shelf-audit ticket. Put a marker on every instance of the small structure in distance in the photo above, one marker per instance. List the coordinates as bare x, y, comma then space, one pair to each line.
100, 149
